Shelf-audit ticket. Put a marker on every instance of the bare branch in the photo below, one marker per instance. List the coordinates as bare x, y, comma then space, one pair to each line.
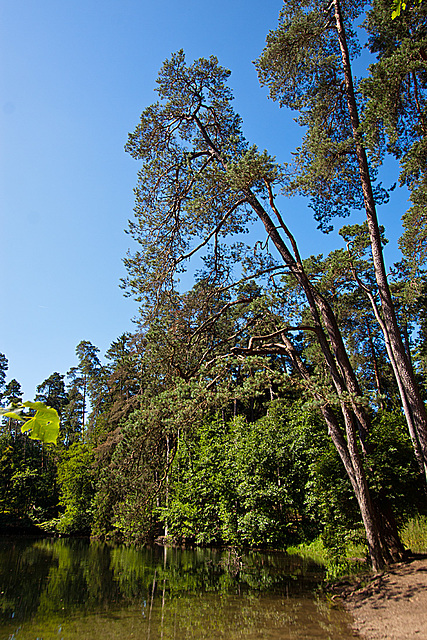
282, 223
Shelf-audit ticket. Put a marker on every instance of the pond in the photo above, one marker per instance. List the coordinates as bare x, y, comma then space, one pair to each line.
69, 589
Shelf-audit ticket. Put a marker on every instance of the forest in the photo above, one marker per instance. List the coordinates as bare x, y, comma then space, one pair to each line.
281, 398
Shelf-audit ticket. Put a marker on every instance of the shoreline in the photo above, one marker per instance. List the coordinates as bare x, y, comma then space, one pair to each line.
391, 605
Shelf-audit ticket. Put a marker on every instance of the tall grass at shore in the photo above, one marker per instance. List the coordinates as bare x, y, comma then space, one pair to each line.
353, 558
352, 561
314, 551
414, 534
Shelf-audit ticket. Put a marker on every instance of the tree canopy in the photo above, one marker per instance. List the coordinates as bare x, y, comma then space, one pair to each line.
261, 405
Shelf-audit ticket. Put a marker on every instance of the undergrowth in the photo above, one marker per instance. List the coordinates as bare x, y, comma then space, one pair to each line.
352, 561
353, 557
414, 534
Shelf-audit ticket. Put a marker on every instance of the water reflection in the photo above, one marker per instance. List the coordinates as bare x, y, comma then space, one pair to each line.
69, 589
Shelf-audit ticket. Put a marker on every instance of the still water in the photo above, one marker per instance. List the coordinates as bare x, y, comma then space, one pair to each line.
76, 589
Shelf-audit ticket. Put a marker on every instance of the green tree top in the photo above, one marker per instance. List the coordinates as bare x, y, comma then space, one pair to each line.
192, 186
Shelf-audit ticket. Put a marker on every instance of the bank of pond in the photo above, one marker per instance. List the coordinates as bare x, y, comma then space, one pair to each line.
65, 589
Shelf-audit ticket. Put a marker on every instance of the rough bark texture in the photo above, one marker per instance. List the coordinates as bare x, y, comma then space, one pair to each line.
381, 531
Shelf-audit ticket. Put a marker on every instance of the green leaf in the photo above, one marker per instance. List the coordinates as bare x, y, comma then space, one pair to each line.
38, 406
44, 425
398, 6
11, 414
12, 411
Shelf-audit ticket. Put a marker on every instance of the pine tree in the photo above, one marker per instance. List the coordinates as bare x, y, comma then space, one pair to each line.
93, 376
4, 365
12, 395
72, 413
200, 182
52, 392
307, 66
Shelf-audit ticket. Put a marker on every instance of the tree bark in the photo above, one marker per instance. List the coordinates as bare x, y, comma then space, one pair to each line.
413, 404
382, 537
374, 361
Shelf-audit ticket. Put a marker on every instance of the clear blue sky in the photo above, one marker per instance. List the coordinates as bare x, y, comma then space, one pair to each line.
75, 76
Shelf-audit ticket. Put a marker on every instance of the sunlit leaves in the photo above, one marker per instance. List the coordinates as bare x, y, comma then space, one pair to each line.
185, 199
398, 6
43, 425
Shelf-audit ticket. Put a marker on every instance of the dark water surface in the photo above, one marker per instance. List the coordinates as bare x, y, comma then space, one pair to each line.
76, 589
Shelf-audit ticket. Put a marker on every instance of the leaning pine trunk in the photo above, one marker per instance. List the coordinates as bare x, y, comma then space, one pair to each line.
412, 402
381, 533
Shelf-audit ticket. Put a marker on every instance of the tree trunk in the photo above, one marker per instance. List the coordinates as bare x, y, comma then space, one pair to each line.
374, 361
415, 411
382, 538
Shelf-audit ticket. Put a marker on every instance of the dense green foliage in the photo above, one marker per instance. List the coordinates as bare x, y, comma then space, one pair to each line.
239, 469
264, 406
28, 481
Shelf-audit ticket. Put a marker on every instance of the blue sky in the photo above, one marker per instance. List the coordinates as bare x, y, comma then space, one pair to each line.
74, 78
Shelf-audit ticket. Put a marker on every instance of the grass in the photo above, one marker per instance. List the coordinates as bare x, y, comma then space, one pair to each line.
414, 534
352, 562
313, 551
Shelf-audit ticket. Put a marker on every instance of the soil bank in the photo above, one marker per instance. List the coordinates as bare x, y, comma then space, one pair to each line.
390, 605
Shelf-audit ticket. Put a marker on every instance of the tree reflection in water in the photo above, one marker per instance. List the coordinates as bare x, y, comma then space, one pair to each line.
69, 589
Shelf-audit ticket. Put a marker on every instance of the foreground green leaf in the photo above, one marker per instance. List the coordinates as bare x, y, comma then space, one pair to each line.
43, 425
